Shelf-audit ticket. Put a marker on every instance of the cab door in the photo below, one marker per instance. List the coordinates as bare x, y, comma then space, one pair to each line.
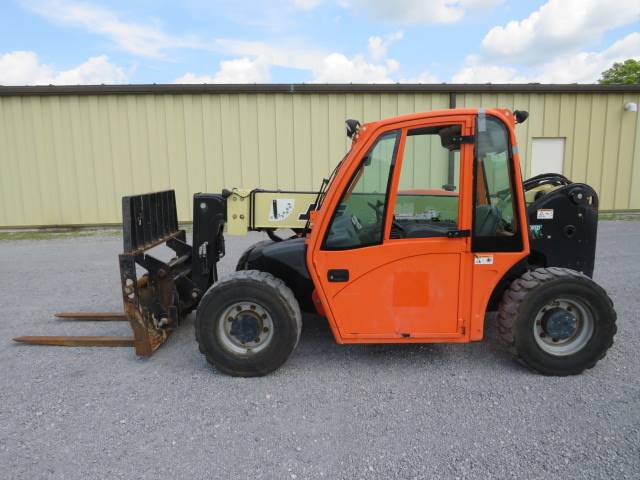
394, 259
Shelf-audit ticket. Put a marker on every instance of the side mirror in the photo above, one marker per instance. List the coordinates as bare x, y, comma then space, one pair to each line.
352, 127
520, 115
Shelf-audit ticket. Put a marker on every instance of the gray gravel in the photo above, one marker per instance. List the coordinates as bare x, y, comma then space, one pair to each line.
430, 411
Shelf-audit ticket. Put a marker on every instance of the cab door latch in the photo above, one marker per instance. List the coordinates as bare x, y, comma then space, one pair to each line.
458, 233
338, 275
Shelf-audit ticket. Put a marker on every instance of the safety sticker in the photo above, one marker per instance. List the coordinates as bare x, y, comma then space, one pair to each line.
545, 214
483, 260
280, 209
536, 230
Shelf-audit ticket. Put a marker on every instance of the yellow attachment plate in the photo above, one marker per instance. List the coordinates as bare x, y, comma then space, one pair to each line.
238, 206
258, 209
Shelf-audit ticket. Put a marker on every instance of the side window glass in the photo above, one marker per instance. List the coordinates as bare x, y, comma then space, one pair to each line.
494, 203
428, 192
358, 220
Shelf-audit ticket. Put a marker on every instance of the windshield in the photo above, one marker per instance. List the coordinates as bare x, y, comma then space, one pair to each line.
326, 182
323, 189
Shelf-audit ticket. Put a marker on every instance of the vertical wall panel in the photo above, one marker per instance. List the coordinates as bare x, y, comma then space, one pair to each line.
66, 174
215, 171
28, 170
566, 122
634, 195
521, 102
610, 150
248, 129
581, 133
68, 159
626, 141
285, 163
597, 129
301, 142
267, 150
13, 207
319, 113
551, 115
178, 166
50, 207
194, 144
335, 124
230, 120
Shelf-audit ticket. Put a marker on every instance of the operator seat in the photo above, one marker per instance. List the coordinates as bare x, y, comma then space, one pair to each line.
487, 220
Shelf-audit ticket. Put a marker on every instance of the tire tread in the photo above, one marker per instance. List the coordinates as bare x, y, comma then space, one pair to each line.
522, 287
260, 278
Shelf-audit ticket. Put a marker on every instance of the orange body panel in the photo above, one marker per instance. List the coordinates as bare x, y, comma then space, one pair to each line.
411, 289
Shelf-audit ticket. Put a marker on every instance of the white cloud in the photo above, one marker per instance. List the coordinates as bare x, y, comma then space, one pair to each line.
418, 11
307, 4
241, 70
424, 77
586, 67
378, 46
477, 70
581, 67
137, 38
337, 68
279, 55
24, 68
557, 27
94, 71
149, 40
553, 44
488, 74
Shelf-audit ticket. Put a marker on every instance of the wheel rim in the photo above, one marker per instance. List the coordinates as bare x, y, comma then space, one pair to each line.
245, 328
563, 326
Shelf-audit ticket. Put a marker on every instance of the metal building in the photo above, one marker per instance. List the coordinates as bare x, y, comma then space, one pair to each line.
67, 154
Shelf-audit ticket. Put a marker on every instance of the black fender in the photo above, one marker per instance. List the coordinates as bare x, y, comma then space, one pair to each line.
567, 240
563, 225
285, 260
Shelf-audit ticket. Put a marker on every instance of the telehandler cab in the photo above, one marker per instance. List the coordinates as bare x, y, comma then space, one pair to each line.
422, 228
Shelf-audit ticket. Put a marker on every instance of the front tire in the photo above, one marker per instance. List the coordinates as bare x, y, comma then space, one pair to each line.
248, 324
557, 321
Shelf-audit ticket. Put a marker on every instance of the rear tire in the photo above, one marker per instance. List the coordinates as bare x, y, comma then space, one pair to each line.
557, 321
248, 324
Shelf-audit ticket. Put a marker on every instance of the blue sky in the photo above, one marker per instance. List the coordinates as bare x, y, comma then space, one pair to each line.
326, 41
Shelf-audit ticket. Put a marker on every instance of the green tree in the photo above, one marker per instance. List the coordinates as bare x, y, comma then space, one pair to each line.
626, 73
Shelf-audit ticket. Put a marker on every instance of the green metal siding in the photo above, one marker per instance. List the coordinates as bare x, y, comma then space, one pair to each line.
67, 159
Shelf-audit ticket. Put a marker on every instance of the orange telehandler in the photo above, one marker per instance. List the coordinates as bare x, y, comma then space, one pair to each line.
422, 228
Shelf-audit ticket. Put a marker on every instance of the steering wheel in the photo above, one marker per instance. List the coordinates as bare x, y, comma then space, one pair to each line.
377, 208
502, 194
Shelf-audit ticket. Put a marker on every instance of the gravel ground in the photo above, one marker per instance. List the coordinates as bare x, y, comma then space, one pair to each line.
430, 411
